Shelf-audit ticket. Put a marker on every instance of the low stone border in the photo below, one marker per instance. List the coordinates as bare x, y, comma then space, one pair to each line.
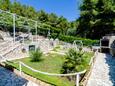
86, 76
30, 78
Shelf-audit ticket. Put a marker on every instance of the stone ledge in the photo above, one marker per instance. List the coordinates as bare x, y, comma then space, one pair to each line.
39, 82
86, 76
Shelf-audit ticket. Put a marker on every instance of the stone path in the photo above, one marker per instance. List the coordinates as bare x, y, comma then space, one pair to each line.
103, 73
8, 78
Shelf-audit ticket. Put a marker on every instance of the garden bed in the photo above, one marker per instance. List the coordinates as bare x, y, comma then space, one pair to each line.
51, 63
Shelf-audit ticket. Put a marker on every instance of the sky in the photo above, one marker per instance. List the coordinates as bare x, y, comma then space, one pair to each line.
67, 8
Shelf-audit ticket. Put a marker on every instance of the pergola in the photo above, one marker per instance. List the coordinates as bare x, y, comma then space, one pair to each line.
14, 23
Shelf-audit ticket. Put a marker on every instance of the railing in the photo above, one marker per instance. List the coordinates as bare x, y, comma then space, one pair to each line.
45, 44
52, 74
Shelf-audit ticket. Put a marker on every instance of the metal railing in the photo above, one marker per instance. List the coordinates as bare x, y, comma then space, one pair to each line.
77, 74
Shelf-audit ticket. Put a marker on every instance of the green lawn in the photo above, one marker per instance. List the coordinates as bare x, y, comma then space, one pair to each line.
51, 63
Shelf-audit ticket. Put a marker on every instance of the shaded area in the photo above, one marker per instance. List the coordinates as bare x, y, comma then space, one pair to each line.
111, 65
8, 78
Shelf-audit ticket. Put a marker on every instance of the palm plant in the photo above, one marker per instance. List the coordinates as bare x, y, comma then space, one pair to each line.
74, 59
74, 62
36, 55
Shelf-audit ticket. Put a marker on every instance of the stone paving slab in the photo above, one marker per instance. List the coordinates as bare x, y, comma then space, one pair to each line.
8, 78
103, 73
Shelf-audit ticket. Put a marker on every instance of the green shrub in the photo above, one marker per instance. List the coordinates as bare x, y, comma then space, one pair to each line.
44, 31
71, 32
54, 35
70, 39
36, 55
73, 60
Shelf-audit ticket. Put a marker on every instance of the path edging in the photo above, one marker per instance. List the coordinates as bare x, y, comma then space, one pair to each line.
86, 76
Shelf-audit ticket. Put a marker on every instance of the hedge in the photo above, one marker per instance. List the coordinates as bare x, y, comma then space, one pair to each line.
70, 39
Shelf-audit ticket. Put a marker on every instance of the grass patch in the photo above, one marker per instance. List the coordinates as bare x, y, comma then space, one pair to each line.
51, 63
58, 47
85, 63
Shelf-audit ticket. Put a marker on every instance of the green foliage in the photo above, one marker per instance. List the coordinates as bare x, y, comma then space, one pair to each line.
54, 32
54, 35
49, 21
36, 55
71, 32
56, 48
71, 39
74, 61
52, 63
97, 18
42, 16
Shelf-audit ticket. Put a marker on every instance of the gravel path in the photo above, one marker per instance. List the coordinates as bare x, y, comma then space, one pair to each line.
8, 78
103, 73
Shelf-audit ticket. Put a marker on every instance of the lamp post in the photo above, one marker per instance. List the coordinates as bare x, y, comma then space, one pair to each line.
36, 30
35, 27
14, 28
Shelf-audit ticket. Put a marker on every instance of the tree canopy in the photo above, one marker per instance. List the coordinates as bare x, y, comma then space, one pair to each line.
97, 18
52, 20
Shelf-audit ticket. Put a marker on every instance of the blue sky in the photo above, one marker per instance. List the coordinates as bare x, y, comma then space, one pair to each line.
66, 8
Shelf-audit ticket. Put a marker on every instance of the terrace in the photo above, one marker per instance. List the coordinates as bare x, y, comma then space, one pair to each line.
61, 63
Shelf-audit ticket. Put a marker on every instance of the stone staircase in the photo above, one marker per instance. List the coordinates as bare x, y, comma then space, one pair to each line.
16, 53
6, 48
5, 35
